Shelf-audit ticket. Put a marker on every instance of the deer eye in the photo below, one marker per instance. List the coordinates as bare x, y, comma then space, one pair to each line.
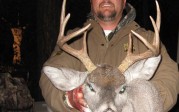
122, 90
90, 87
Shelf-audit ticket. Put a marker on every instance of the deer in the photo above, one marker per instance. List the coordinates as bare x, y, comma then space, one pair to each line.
126, 88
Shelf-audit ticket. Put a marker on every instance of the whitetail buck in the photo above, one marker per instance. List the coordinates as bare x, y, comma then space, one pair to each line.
112, 89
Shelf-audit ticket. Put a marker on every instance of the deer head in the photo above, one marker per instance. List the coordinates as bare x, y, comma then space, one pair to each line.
111, 89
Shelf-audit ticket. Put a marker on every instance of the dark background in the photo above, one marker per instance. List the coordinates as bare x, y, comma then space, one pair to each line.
40, 18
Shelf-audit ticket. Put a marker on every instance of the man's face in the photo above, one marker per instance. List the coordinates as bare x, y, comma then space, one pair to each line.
107, 10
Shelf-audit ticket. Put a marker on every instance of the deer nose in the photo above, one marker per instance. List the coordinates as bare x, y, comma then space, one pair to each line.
109, 110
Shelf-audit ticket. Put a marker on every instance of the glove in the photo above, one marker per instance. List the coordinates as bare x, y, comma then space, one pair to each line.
76, 99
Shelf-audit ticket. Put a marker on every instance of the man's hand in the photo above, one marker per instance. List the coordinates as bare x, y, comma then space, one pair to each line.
76, 99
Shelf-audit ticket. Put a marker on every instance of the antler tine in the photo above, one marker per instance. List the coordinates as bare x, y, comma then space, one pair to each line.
158, 19
153, 49
63, 21
158, 22
62, 41
129, 51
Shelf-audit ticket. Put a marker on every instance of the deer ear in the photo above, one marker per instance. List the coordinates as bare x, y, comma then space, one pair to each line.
143, 69
65, 79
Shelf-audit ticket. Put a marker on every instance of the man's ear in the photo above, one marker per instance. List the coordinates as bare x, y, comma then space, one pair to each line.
65, 79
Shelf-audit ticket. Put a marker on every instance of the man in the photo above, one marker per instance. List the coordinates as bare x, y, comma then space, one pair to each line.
107, 40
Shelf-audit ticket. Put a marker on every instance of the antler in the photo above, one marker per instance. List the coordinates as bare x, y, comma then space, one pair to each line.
62, 41
153, 50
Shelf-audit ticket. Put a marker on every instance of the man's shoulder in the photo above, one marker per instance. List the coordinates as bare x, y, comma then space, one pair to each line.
133, 25
137, 28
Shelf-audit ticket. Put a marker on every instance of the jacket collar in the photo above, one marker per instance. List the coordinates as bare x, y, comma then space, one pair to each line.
129, 17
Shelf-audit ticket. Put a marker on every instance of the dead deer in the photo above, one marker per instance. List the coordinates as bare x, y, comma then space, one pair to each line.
112, 89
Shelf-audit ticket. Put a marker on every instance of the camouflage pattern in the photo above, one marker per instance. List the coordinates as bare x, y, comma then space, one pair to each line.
14, 94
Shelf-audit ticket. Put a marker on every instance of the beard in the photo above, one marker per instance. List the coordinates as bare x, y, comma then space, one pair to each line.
106, 18
111, 12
